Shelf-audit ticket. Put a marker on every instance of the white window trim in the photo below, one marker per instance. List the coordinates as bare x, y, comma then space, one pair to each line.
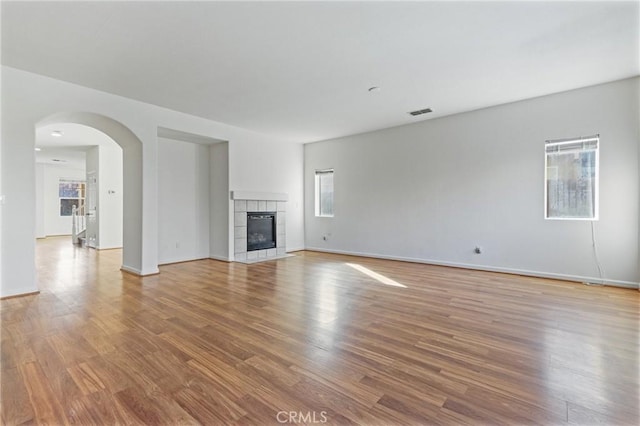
81, 199
316, 184
596, 212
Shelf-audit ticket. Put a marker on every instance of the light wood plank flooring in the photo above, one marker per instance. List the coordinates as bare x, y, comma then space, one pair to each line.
313, 338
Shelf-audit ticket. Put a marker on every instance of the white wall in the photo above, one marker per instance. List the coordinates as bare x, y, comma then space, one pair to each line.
183, 201
272, 167
220, 243
29, 98
434, 190
2, 193
110, 193
47, 207
105, 161
92, 166
39, 208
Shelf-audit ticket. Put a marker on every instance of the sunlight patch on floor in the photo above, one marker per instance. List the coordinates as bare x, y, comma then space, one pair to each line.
376, 276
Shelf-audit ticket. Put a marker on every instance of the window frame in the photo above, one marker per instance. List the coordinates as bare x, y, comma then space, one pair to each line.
596, 178
317, 198
81, 198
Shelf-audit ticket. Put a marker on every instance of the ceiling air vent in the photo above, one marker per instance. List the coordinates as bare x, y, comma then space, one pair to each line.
421, 111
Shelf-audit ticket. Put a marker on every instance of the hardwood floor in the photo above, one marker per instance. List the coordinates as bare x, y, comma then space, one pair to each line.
311, 339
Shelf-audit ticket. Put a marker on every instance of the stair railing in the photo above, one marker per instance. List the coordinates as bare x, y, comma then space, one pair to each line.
78, 223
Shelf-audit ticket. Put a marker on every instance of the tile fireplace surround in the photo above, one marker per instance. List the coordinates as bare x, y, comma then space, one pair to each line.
245, 201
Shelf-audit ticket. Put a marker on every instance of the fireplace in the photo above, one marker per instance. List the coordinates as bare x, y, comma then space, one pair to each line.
272, 207
261, 230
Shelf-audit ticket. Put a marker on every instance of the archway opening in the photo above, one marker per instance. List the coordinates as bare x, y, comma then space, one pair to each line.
132, 229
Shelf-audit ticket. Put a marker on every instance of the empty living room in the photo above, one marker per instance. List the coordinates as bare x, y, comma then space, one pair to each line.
320, 212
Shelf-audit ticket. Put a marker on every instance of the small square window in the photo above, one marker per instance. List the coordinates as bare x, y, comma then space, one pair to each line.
71, 192
324, 193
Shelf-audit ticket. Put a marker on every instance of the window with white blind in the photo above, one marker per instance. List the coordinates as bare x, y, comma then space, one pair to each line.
571, 178
324, 193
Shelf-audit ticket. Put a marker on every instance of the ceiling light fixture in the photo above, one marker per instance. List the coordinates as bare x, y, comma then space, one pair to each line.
57, 133
38, 149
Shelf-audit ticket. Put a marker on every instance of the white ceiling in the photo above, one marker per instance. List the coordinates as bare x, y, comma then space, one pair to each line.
70, 149
300, 70
62, 157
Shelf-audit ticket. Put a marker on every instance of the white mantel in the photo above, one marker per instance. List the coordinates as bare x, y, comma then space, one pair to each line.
253, 195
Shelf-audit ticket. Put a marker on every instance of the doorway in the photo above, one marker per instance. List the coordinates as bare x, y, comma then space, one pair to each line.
135, 258
79, 182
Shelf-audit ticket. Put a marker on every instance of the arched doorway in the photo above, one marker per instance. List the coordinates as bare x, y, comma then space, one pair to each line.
132, 179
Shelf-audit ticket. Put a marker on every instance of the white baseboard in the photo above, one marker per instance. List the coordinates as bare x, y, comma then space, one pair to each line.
180, 260
221, 258
11, 295
130, 270
566, 277
138, 272
291, 249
